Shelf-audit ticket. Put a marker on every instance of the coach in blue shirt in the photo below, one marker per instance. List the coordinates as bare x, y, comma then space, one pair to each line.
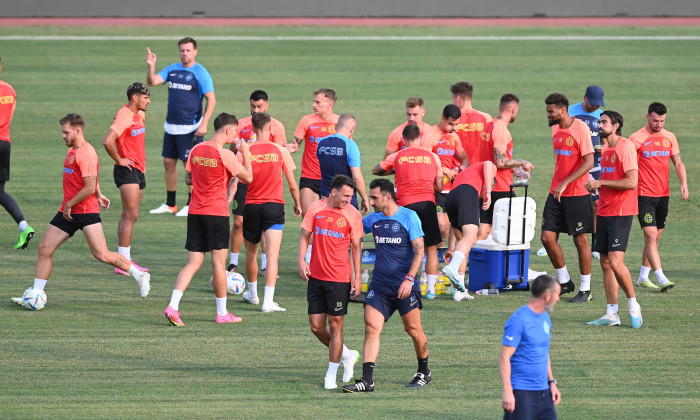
529, 388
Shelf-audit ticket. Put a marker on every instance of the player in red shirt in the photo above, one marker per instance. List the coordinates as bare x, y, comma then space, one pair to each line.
80, 210
569, 207
418, 176
8, 100
210, 170
264, 210
414, 116
471, 123
616, 208
125, 142
656, 148
335, 225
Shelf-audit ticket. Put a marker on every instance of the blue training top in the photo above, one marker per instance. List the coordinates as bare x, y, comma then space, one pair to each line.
186, 87
529, 333
591, 120
336, 155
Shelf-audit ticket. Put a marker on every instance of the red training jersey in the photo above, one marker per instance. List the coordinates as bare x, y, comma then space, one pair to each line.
332, 230
415, 171
446, 146
570, 146
473, 175
80, 163
496, 134
654, 151
131, 143
396, 141
212, 168
471, 125
614, 162
268, 161
8, 100
245, 131
312, 128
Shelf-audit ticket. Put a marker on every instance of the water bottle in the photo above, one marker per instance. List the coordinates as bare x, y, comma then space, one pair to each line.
365, 276
518, 175
526, 177
488, 292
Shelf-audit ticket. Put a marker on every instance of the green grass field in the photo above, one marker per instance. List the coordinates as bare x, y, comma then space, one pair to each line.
99, 351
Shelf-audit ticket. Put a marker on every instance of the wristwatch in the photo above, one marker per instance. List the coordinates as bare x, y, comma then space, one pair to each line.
552, 381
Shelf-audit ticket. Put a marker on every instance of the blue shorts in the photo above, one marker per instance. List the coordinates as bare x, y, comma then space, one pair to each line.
178, 146
385, 299
532, 405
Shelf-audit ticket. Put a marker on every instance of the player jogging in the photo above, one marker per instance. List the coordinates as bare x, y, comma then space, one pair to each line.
471, 123
398, 240
125, 142
210, 169
414, 116
335, 225
80, 210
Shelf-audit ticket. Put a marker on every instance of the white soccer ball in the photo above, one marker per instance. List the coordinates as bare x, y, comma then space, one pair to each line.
235, 283
34, 299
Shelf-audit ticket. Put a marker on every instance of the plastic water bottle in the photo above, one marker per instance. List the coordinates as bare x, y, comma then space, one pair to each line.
365, 276
526, 177
488, 292
518, 175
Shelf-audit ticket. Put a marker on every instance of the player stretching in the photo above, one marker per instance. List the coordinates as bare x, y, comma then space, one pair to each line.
258, 103
418, 178
185, 125
569, 207
414, 116
398, 240
264, 210
8, 100
80, 210
210, 169
125, 142
617, 206
471, 123
335, 225
655, 147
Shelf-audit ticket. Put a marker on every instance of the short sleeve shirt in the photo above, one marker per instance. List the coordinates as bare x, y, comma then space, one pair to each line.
496, 134
131, 143
336, 155
244, 131
313, 128
186, 88
268, 162
529, 333
471, 125
570, 146
472, 175
415, 171
446, 146
614, 162
80, 163
396, 141
8, 100
212, 168
654, 151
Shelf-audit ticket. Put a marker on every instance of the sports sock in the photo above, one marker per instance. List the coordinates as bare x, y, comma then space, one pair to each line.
332, 371
563, 275
125, 251
189, 197
367, 371
585, 283
460, 279
40, 283
175, 299
221, 306
234, 258
346, 353
456, 261
135, 273
253, 288
632, 303
23, 225
644, 273
269, 297
307, 257
432, 279
263, 264
612, 309
170, 198
423, 365
661, 277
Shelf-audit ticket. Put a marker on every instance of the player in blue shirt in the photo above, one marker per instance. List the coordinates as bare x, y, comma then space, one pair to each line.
339, 155
398, 240
188, 82
529, 388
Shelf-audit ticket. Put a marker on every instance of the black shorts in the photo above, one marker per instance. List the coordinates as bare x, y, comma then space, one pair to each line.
486, 216
532, 405
612, 233
312, 184
440, 202
78, 223
239, 199
573, 215
327, 297
427, 214
463, 206
652, 211
124, 175
260, 217
386, 301
4, 160
206, 232
178, 146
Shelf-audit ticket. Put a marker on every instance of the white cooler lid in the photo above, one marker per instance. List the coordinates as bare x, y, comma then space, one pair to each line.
490, 245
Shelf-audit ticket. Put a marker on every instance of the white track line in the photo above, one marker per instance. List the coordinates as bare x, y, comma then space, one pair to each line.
355, 38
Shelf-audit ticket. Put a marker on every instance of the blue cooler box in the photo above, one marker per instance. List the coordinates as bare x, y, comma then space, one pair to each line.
487, 264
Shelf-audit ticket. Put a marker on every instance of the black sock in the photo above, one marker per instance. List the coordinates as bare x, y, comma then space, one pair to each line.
170, 200
367, 371
423, 366
189, 197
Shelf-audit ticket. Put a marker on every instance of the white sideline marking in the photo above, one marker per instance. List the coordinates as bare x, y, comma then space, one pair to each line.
356, 38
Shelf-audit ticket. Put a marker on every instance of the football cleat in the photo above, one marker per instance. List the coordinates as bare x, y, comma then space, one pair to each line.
164, 209
609, 319
183, 211
329, 383
349, 365
248, 298
273, 308
173, 316
24, 238
232, 268
667, 286
582, 297
145, 284
647, 284
359, 386
430, 295
419, 380
636, 316
567, 287
452, 276
228, 318
17, 300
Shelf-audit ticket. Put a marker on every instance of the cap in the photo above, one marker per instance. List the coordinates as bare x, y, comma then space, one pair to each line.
595, 95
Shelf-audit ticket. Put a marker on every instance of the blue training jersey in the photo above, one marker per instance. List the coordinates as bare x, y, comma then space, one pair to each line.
591, 120
392, 241
186, 88
529, 333
336, 155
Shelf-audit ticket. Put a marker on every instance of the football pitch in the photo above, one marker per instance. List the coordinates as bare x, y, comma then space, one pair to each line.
99, 351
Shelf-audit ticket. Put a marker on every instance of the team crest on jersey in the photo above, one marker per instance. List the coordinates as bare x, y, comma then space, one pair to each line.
612, 159
188, 77
341, 222
485, 136
71, 160
395, 227
569, 141
648, 218
665, 142
331, 129
545, 326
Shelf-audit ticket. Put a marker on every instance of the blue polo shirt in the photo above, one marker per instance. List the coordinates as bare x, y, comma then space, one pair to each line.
529, 333
186, 88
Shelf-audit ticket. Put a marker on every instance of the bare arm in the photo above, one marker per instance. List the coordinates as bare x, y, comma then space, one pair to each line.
582, 170
301, 261
356, 254
502, 162
418, 253
152, 79
232, 188
361, 189
438, 184
504, 368
245, 175
629, 182
293, 190
188, 177
89, 189
682, 176
294, 146
387, 152
556, 395
110, 143
489, 175
378, 170
208, 111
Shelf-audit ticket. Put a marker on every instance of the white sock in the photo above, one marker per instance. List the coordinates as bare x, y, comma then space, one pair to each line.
332, 370
253, 288
660, 276
234, 258
125, 251
307, 257
23, 225
175, 299
263, 264
40, 283
585, 283
460, 279
456, 261
269, 297
346, 353
221, 306
632, 303
135, 273
612, 309
563, 275
644, 273
432, 279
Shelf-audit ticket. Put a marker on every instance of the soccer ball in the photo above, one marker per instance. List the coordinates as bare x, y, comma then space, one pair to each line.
235, 283
34, 299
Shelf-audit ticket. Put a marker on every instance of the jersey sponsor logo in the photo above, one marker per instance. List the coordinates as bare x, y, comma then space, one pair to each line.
68, 171
6, 100
563, 152
202, 161
653, 153
569, 141
138, 131
179, 86
415, 159
386, 240
470, 127
331, 151
607, 169
444, 152
648, 218
341, 222
265, 157
330, 233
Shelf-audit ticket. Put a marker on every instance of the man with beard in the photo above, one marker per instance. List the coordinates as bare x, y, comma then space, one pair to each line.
414, 116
